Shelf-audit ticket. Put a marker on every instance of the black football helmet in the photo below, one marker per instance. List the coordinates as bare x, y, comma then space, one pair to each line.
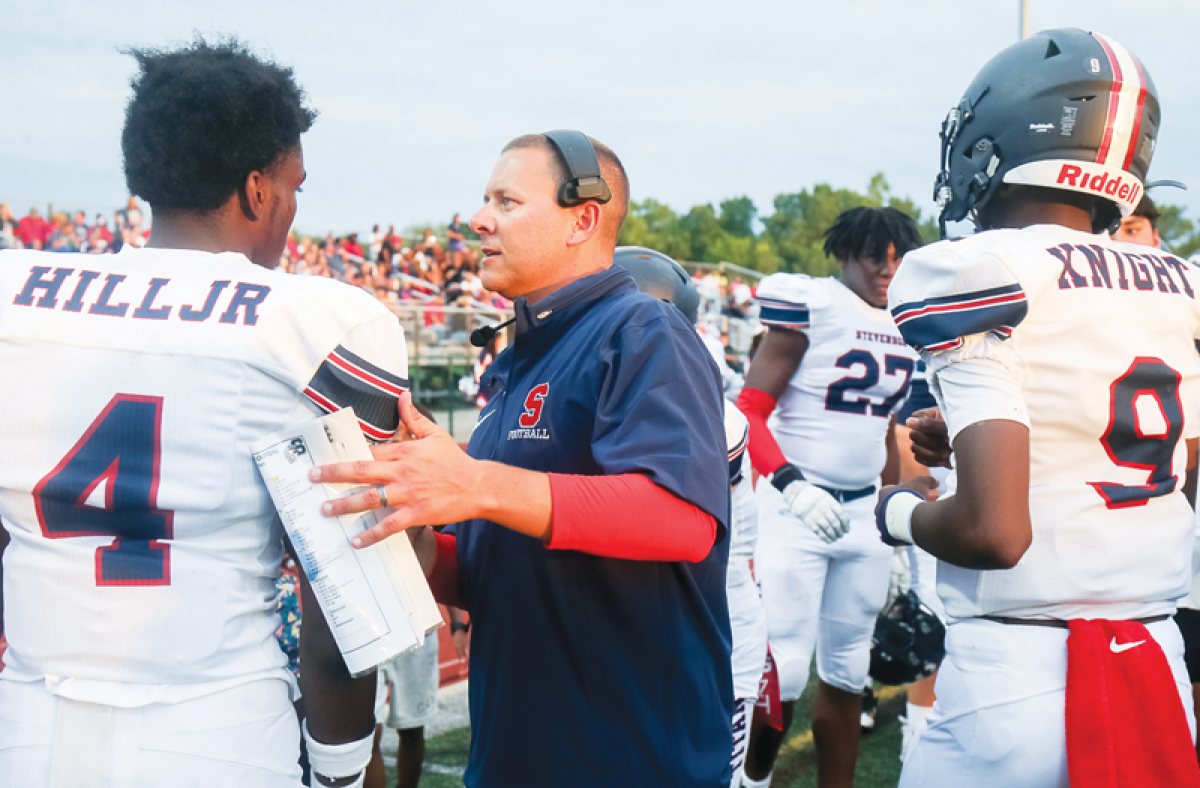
661, 277
1063, 109
909, 642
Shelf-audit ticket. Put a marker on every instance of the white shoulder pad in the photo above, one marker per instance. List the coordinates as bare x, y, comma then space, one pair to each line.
736, 428
788, 299
955, 289
737, 438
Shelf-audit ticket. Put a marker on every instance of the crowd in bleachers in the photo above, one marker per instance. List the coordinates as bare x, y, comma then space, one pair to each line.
67, 232
426, 274
396, 271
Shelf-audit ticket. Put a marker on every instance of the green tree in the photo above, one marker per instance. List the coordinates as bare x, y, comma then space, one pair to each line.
1176, 231
737, 217
703, 231
797, 228
793, 238
757, 254
1189, 246
655, 226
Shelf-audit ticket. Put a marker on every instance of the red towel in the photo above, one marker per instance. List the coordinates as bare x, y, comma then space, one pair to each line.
1126, 727
767, 710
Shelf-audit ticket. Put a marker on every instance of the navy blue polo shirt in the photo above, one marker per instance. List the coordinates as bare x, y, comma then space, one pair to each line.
591, 671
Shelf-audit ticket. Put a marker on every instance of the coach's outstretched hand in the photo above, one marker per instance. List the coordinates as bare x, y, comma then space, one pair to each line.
930, 439
429, 480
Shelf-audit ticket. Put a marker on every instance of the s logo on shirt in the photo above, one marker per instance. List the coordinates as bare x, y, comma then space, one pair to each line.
533, 406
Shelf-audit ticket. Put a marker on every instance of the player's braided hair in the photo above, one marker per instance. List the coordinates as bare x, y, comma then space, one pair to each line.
866, 232
204, 117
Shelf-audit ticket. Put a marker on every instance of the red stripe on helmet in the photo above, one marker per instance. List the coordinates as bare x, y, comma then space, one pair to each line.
1137, 122
1114, 100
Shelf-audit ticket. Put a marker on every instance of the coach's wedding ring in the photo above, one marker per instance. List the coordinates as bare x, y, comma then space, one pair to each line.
383, 499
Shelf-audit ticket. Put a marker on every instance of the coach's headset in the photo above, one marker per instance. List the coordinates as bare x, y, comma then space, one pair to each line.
586, 182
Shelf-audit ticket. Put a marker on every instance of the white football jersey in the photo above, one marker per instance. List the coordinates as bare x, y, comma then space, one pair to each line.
747, 620
833, 418
144, 544
1092, 344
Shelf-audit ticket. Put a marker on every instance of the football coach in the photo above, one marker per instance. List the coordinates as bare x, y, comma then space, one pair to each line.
588, 517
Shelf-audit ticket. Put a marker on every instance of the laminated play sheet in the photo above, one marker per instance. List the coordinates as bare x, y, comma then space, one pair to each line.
375, 599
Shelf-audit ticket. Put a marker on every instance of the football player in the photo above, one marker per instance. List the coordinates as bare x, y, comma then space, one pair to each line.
1141, 226
1065, 367
838, 369
140, 604
921, 565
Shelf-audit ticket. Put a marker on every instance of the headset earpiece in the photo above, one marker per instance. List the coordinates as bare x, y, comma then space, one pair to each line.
585, 181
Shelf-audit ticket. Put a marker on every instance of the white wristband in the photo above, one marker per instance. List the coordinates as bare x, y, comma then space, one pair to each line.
898, 517
336, 761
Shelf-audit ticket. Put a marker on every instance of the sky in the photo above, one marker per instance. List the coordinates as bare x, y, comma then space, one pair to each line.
703, 101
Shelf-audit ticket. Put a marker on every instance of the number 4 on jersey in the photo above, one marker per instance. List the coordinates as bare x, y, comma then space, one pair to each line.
107, 485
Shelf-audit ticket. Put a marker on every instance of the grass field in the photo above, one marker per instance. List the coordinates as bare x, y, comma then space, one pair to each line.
878, 760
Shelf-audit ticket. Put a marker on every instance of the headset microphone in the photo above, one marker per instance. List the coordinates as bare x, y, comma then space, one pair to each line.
484, 334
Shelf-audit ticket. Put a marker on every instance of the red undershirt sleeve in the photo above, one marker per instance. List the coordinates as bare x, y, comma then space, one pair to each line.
765, 453
627, 516
443, 580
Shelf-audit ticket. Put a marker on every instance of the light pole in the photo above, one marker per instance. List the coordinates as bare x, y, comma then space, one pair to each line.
1024, 19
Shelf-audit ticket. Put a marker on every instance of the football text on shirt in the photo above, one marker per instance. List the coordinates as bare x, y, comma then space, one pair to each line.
534, 402
1147, 271
246, 297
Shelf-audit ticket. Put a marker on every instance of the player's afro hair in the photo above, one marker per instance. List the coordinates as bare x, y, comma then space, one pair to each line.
866, 232
204, 117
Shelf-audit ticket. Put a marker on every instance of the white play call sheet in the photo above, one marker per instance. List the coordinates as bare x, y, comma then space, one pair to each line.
376, 600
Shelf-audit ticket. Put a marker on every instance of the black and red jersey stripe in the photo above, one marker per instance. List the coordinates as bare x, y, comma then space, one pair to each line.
348, 380
736, 454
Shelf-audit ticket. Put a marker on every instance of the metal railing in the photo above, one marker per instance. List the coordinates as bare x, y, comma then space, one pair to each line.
728, 268
440, 353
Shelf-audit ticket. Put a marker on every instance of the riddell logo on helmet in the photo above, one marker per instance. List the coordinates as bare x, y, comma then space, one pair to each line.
1126, 191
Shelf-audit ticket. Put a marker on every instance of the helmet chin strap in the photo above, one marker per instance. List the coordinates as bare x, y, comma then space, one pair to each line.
976, 221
